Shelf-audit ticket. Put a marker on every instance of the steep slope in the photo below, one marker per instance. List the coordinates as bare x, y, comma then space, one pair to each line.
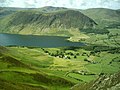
105, 82
18, 75
7, 85
104, 17
34, 21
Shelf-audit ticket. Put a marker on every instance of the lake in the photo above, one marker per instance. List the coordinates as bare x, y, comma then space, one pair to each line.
37, 41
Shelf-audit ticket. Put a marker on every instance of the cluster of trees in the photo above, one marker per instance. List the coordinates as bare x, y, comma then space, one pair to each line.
69, 55
95, 31
62, 54
115, 25
100, 48
112, 35
116, 59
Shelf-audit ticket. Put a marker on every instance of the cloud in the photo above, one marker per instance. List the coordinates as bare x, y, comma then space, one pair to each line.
80, 4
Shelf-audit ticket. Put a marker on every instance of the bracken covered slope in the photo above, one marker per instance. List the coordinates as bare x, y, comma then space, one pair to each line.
104, 82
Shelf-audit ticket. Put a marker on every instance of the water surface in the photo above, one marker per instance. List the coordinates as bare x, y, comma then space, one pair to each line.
36, 41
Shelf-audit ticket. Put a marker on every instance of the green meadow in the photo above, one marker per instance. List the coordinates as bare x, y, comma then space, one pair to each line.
59, 68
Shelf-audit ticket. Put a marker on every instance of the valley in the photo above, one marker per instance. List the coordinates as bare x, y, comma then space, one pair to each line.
64, 67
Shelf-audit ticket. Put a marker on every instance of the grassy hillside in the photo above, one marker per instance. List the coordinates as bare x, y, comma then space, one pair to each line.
104, 82
6, 10
104, 17
16, 74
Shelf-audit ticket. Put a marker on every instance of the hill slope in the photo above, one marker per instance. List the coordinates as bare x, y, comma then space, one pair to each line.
18, 75
35, 21
111, 82
50, 9
6, 10
104, 17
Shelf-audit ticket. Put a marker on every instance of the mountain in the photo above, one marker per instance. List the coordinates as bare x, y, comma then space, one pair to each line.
36, 21
9, 10
51, 9
6, 10
103, 16
104, 82
54, 19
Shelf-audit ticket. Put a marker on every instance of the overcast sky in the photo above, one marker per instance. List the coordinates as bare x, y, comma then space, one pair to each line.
79, 4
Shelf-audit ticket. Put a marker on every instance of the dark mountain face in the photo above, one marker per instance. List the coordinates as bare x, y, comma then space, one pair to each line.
60, 18
65, 19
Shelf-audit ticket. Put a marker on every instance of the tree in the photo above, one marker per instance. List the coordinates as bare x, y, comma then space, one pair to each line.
75, 56
68, 57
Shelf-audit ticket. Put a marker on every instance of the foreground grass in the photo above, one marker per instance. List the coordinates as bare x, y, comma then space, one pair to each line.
60, 66
15, 71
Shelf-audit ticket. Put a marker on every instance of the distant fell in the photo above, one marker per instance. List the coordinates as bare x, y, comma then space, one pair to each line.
37, 21
103, 16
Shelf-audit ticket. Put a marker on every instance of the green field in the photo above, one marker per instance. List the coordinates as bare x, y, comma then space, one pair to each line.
59, 68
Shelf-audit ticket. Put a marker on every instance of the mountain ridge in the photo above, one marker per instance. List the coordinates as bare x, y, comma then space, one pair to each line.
49, 19
34, 19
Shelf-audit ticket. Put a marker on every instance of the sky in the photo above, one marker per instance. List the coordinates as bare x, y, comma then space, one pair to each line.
78, 4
